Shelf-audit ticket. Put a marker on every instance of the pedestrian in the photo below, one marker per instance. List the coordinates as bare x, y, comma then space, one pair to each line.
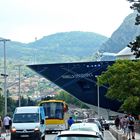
131, 122
121, 123
125, 124
70, 121
0, 125
7, 124
117, 122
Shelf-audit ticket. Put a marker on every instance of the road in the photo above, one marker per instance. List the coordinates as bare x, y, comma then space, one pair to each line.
107, 136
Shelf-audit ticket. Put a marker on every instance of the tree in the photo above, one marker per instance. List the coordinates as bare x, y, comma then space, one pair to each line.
1, 104
123, 79
136, 6
135, 45
11, 105
70, 99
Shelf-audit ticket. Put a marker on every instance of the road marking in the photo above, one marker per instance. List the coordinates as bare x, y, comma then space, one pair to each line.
112, 135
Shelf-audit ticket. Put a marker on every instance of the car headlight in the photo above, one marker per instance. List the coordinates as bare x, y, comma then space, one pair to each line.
13, 130
36, 129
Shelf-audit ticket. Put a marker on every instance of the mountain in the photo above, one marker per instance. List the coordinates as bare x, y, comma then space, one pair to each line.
14, 49
59, 47
67, 46
73, 46
122, 36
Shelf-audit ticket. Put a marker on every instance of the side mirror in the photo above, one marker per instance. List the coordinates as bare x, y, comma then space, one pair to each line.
42, 121
65, 108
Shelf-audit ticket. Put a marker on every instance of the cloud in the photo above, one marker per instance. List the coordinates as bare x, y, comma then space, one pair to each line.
23, 19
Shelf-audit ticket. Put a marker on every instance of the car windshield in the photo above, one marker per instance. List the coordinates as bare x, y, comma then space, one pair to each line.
26, 117
78, 138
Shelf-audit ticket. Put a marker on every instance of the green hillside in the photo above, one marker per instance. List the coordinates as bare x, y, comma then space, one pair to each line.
59, 47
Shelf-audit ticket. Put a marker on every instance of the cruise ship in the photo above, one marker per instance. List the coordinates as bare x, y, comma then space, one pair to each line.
80, 80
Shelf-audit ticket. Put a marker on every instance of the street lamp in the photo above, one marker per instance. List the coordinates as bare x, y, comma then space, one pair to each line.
5, 75
19, 93
98, 96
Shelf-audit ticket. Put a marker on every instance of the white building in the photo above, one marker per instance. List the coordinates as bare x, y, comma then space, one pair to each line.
125, 54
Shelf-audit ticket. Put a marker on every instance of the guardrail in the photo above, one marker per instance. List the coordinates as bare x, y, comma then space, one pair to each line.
118, 134
137, 127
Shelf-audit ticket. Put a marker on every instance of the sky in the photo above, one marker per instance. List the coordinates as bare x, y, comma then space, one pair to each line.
25, 20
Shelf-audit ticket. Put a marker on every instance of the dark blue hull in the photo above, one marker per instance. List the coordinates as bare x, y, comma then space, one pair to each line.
79, 79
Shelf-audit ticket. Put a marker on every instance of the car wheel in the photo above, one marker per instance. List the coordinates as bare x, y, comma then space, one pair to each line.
12, 139
38, 138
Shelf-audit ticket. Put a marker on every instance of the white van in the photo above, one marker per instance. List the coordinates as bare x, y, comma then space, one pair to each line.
28, 123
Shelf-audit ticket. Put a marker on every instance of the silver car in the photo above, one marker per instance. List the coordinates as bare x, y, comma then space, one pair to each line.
86, 127
78, 135
95, 120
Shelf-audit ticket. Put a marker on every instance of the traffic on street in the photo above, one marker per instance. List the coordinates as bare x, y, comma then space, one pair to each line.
107, 136
54, 120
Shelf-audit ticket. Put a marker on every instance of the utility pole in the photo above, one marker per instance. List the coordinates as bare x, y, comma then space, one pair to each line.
35, 52
98, 96
19, 81
5, 75
19, 91
98, 93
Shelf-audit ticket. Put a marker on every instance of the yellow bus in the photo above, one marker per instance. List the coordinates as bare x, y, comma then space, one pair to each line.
56, 115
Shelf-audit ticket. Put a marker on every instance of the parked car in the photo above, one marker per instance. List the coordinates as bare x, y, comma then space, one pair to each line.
78, 135
97, 121
28, 123
107, 123
86, 127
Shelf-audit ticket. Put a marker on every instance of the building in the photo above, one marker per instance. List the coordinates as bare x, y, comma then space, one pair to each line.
125, 54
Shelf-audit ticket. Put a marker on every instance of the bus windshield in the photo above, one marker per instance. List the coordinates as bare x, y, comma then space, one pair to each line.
53, 110
26, 117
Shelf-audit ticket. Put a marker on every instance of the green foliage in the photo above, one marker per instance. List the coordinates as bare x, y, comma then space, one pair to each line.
131, 104
27, 102
12, 104
135, 45
56, 48
123, 78
136, 6
70, 99
1, 104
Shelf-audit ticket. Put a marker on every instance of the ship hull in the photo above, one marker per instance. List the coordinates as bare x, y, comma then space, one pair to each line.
80, 80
